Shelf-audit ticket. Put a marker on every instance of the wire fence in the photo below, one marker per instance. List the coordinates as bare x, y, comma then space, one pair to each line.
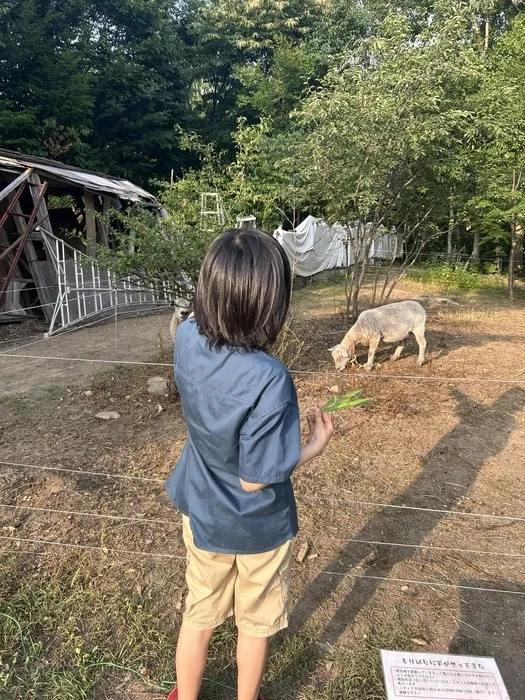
318, 538
301, 497
42, 545
357, 375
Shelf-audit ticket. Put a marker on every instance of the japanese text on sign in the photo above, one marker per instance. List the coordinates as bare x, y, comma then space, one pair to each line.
441, 677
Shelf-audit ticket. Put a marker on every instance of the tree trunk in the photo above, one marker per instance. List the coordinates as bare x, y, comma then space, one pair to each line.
475, 247
450, 232
91, 224
349, 278
518, 253
354, 302
512, 255
363, 266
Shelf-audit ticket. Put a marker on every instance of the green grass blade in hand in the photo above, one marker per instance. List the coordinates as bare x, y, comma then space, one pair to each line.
350, 400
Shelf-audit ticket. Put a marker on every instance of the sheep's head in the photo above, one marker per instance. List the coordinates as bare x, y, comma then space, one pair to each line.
182, 308
183, 302
341, 356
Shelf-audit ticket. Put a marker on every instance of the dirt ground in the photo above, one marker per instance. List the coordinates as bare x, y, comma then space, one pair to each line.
438, 443
133, 338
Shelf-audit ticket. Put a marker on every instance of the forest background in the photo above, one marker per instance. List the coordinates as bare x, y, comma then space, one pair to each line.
408, 114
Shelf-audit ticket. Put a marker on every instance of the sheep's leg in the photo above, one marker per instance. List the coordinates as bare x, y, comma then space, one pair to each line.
374, 342
419, 334
397, 353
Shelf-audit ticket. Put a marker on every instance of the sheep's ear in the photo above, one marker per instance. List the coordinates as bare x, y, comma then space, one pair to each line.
332, 349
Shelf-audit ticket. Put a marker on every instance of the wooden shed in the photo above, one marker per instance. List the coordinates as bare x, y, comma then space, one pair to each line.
49, 230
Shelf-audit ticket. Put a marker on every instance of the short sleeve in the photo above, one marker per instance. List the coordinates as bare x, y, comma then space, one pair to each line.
270, 441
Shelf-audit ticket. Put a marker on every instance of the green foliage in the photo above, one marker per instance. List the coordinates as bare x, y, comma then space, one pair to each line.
251, 60
459, 277
156, 250
490, 268
64, 202
95, 85
140, 89
57, 633
264, 179
396, 106
168, 248
46, 103
409, 113
257, 25
275, 92
500, 149
350, 400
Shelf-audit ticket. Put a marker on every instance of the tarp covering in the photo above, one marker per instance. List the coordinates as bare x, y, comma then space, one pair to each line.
315, 246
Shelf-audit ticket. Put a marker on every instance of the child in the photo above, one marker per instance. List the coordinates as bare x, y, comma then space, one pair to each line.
232, 481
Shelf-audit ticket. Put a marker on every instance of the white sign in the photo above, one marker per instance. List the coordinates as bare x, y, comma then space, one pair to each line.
441, 677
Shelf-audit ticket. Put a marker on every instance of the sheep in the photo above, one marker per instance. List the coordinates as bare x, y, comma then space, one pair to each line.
182, 304
392, 323
181, 313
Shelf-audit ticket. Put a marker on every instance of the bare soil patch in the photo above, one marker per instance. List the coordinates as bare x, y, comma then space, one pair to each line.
130, 338
438, 443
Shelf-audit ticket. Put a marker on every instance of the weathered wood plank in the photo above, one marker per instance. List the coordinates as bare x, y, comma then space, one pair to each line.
47, 299
11, 187
43, 214
91, 225
103, 227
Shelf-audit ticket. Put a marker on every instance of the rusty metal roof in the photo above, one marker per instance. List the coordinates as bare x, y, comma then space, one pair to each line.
13, 162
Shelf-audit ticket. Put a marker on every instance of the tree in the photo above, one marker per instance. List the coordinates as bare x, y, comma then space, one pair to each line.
264, 178
46, 103
140, 86
499, 203
168, 250
95, 83
236, 44
378, 126
276, 92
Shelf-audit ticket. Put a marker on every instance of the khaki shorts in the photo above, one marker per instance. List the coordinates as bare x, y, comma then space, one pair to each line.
253, 587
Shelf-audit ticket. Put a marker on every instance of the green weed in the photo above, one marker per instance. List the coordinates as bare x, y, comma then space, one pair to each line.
79, 633
59, 635
461, 278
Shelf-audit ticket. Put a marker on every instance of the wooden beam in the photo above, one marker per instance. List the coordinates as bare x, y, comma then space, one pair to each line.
102, 225
4, 243
45, 295
16, 182
43, 214
91, 224
20, 243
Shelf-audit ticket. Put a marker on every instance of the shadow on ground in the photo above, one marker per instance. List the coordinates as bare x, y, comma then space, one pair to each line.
493, 624
449, 469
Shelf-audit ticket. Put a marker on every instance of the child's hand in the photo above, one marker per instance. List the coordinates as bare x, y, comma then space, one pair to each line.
321, 428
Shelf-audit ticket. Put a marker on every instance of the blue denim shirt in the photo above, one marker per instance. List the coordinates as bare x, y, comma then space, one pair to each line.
243, 422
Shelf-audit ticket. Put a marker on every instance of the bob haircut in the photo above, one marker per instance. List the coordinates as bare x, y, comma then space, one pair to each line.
243, 291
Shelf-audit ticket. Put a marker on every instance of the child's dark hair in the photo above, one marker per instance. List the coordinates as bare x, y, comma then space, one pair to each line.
243, 291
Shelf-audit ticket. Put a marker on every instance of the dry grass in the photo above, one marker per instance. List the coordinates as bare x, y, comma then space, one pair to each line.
467, 315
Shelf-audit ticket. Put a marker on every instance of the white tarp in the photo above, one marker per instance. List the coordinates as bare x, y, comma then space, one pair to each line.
315, 246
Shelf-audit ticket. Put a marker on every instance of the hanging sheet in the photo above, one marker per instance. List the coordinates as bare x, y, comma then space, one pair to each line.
315, 246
